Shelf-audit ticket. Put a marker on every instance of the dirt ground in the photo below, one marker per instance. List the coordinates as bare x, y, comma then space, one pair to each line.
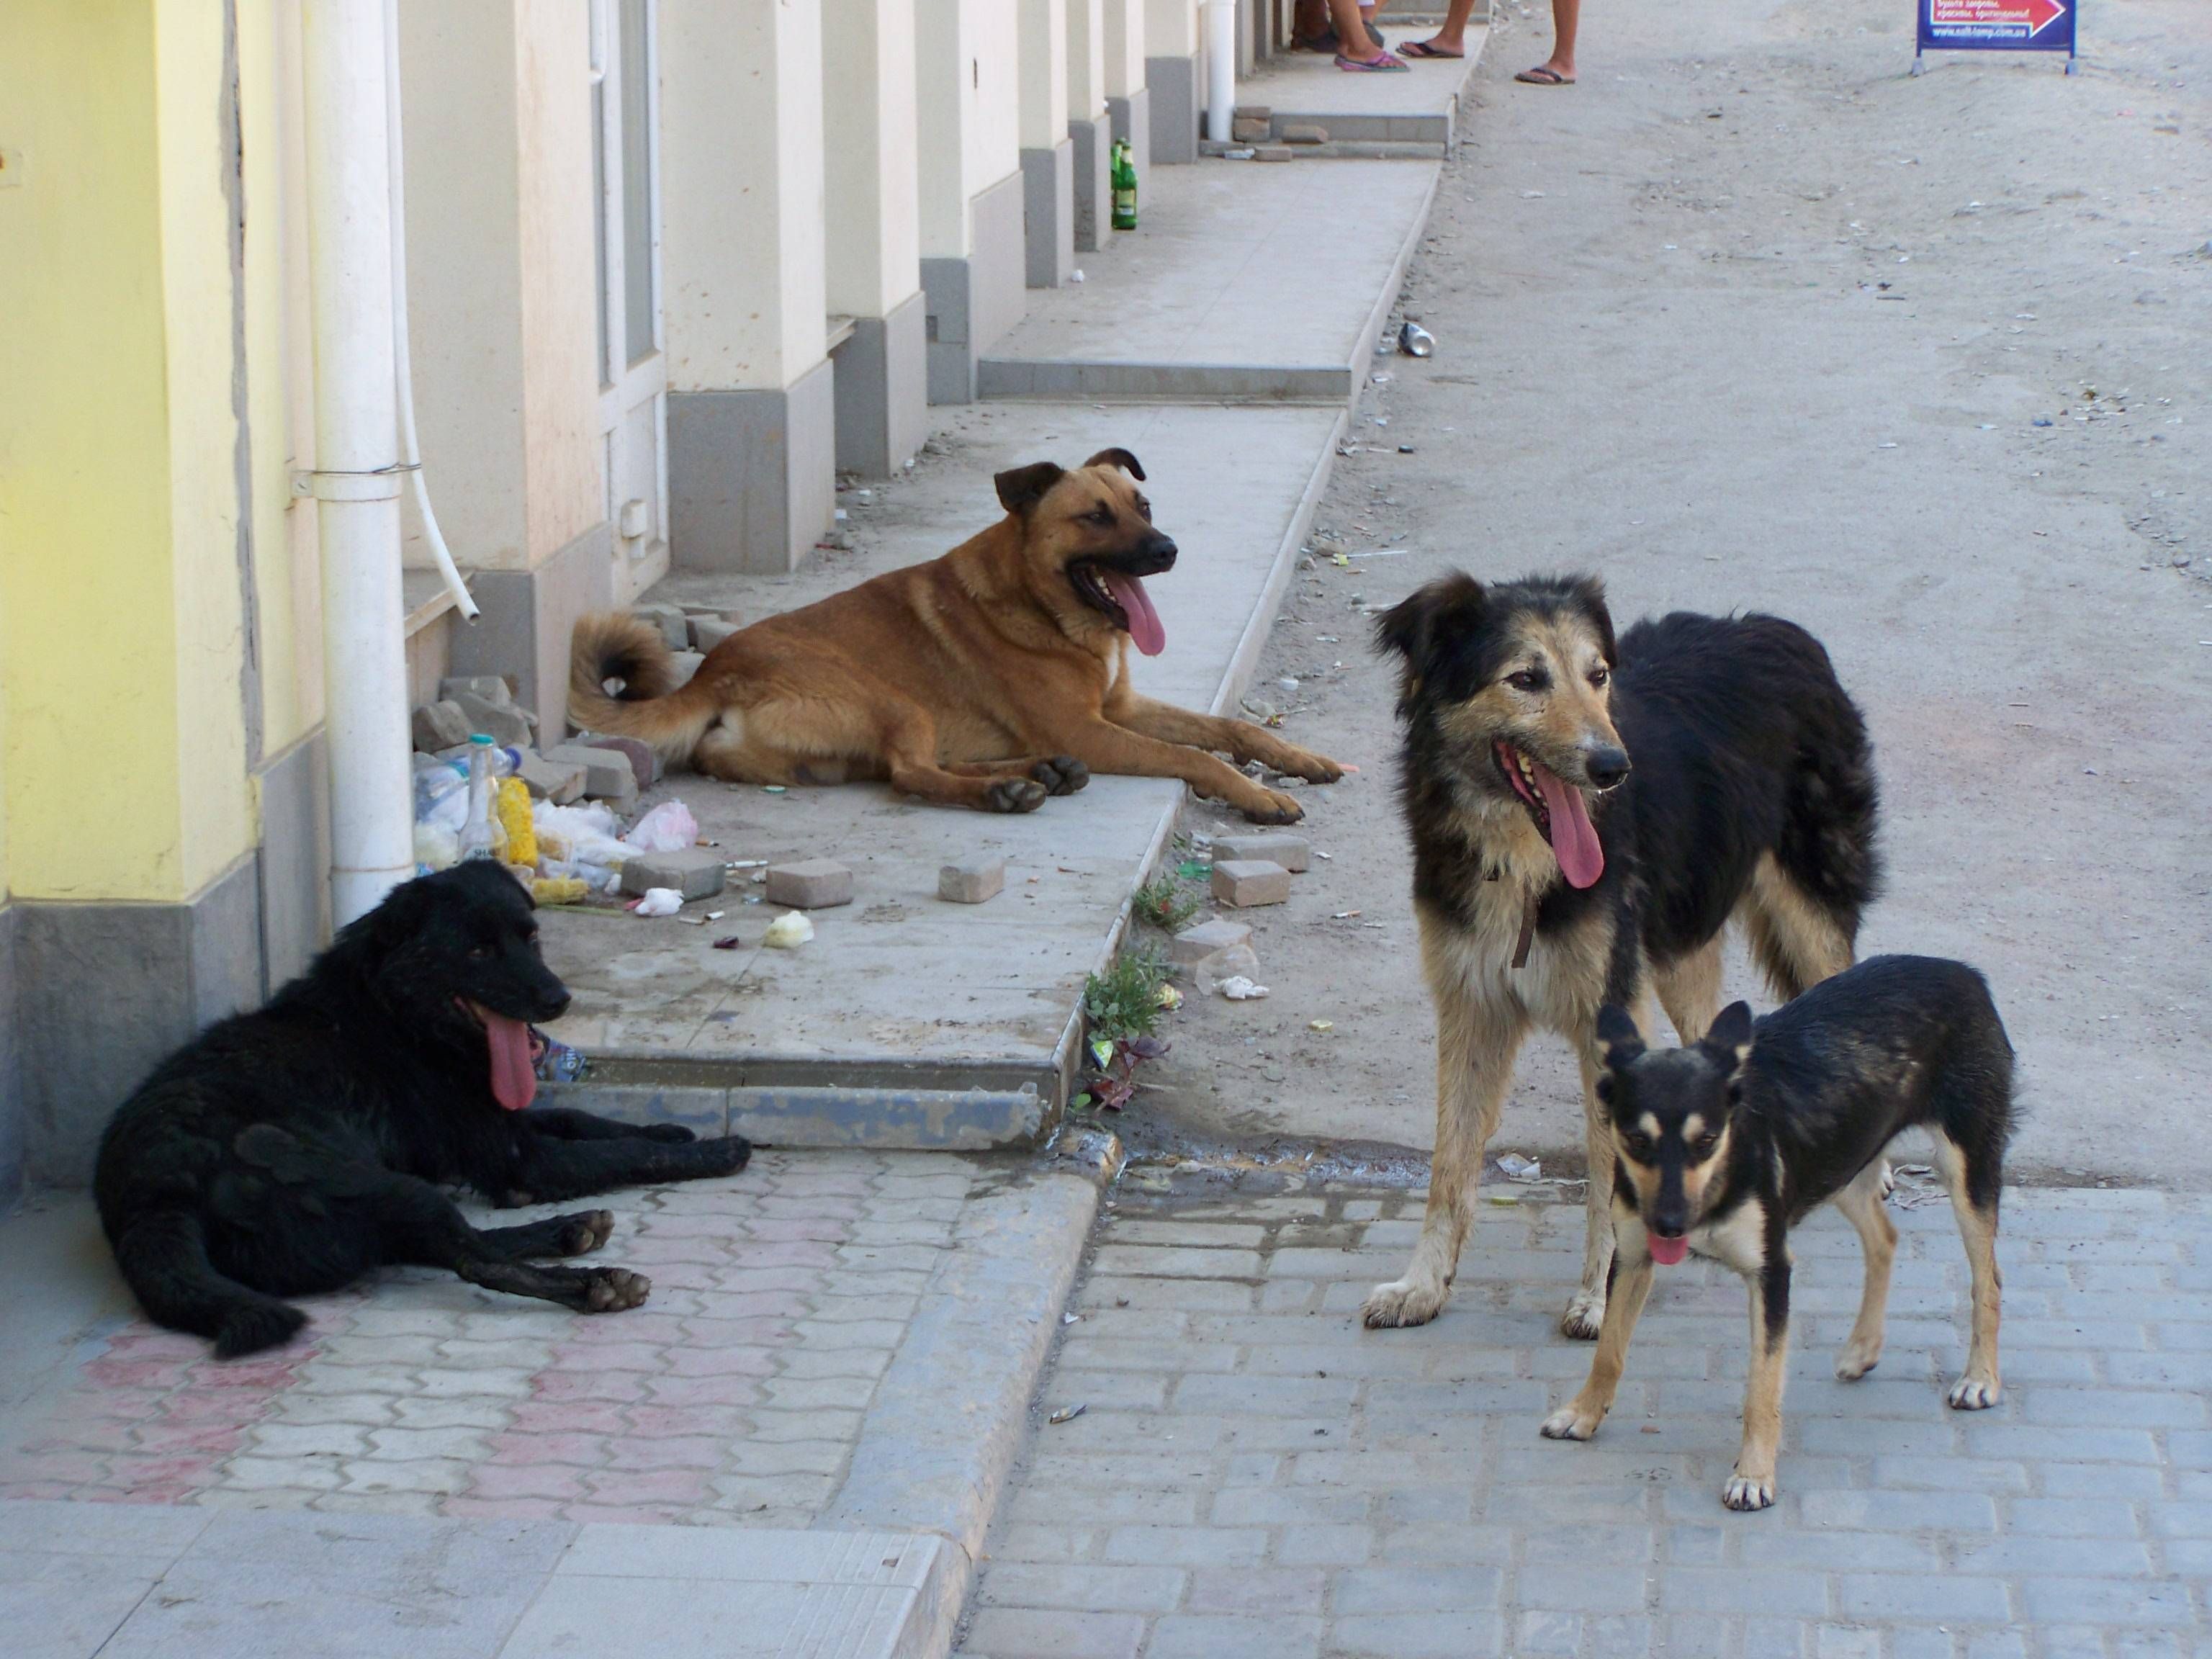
1751, 319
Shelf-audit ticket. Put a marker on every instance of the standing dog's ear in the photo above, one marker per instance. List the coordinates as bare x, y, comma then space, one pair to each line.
1120, 457
1448, 605
1024, 487
1617, 1036
1589, 593
1728, 1039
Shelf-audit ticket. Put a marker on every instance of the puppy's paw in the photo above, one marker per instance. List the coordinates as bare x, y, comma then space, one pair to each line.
1585, 1316
1572, 1421
1062, 775
1973, 1394
1273, 806
614, 1290
669, 1134
1014, 795
586, 1231
1857, 1358
1748, 1491
725, 1154
1402, 1301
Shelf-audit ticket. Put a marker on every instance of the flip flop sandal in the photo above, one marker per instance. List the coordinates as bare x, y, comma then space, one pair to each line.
1542, 75
1423, 49
1382, 64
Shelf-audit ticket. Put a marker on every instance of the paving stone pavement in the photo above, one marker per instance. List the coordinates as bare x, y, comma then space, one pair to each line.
734, 1397
1256, 1474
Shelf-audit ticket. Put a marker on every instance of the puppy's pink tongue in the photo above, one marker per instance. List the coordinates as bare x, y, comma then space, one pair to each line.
1667, 1251
513, 1078
1574, 837
1144, 627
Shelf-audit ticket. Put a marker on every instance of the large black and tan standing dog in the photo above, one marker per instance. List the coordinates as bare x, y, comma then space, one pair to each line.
1726, 1143
1586, 817
990, 678
291, 1150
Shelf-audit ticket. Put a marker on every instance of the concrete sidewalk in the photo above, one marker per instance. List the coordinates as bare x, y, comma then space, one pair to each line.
794, 1447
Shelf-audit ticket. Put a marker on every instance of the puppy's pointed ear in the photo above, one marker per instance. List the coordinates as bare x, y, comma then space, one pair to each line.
1618, 1040
1728, 1040
1589, 594
1023, 487
1414, 627
1120, 457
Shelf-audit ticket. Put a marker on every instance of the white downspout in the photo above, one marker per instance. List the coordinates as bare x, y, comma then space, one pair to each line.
356, 482
410, 452
1220, 69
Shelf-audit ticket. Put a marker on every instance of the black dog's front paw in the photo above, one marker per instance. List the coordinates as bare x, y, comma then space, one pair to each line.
586, 1231
724, 1155
1062, 775
669, 1134
614, 1290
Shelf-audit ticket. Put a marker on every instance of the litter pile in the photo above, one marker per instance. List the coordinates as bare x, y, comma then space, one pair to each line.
1247, 870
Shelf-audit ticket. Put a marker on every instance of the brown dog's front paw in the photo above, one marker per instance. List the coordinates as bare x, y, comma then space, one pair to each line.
1315, 768
1014, 795
1273, 807
1062, 775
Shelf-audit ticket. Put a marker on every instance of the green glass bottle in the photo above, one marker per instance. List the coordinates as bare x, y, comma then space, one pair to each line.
1123, 177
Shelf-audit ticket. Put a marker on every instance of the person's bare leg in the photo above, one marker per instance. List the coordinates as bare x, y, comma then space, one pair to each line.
1353, 39
1566, 14
1451, 39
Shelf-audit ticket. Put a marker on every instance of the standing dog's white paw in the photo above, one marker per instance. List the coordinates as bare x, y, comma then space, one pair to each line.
1585, 1315
1973, 1394
1403, 1301
1857, 1359
1745, 1491
1572, 1421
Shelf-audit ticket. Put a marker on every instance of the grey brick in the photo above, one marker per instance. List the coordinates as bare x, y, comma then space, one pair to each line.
1598, 1586
1620, 1639
1846, 1642
1989, 1474
2099, 1480
1997, 1644
1774, 1638
2105, 1601
1549, 1633
1092, 1589
2014, 1557
1245, 1589
2113, 1406
1177, 1263
1290, 1506
1021, 1633
2036, 1442
1835, 1552
1418, 1636
1188, 1635
1325, 1546
1279, 1396
1921, 1642
1900, 1511
2070, 1518
1725, 1589
1929, 1596
1436, 1590
2182, 1520
1187, 1546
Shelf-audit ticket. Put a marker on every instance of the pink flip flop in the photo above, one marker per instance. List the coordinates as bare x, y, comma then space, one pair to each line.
1383, 62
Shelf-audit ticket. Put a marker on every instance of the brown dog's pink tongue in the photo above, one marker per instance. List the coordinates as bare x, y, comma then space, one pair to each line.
1574, 837
1667, 1251
513, 1078
1144, 627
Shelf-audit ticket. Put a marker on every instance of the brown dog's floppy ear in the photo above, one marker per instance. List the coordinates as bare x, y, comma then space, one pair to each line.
1411, 626
1024, 486
1589, 593
1120, 457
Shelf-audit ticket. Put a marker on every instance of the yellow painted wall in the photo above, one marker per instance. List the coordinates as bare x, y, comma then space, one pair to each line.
122, 639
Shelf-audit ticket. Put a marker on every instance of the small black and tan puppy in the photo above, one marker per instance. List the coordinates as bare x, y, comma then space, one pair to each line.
1725, 1146
290, 1151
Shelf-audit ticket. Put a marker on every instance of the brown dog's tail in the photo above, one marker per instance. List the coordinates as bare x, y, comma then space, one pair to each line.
615, 646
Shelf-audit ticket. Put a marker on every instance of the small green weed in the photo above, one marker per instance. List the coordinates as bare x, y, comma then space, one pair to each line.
1122, 1006
1166, 903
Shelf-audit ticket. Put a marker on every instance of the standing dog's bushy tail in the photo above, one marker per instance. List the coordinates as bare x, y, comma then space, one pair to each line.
164, 1259
614, 646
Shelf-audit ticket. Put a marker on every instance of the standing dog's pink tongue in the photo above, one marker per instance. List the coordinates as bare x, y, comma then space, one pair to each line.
1667, 1251
513, 1078
1144, 622
1574, 837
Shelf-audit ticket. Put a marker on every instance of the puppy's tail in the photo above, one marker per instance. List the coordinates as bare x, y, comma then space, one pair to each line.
165, 1262
614, 646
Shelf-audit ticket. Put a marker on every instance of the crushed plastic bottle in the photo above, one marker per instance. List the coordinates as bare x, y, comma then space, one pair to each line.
482, 835
1415, 341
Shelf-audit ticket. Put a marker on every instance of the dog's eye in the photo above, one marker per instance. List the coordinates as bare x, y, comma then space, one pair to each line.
1526, 679
1100, 515
1598, 677
480, 953
1703, 1144
1639, 1146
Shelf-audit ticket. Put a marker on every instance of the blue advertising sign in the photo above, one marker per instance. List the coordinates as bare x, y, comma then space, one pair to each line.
1997, 25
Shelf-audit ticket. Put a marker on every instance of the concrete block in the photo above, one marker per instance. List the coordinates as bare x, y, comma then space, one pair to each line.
1298, 133
607, 774
1201, 939
1250, 132
1293, 853
684, 664
1252, 112
439, 725
707, 632
553, 780
1247, 882
492, 688
810, 884
502, 722
972, 880
644, 765
1274, 153
696, 873
670, 619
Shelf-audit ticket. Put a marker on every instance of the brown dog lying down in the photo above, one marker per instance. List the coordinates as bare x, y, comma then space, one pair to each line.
991, 677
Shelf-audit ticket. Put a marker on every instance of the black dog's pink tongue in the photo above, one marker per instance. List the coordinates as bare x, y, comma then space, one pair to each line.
514, 1077
1144, 627
1574, 837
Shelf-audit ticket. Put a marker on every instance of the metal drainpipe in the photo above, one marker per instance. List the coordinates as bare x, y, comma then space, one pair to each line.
1220, 69
357, 474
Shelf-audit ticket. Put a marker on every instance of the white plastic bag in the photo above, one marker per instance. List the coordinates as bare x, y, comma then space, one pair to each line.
659, 902
789, 932
669, 828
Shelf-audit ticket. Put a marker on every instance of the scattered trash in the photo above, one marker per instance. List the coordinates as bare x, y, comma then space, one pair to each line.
1404, 449
1237, 988
1233, 156
1067, 1413
1075, 275
715, 915
1538, 195
659, 902
1415, 341
1503, 1199
668, 827
1170, 999
772, 789
1514, 1167
559, 890
789, 932
1071, 1319
1342, 916
553, 1061
729, 944
1320, 1025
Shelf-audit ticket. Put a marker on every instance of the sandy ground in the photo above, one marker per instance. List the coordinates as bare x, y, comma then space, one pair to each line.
1751, 319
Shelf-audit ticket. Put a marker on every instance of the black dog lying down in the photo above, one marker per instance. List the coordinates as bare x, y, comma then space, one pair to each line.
291, 1150
1727, 1144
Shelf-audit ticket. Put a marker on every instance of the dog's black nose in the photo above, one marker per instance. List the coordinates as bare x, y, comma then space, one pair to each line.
1606, 765
1163, 549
